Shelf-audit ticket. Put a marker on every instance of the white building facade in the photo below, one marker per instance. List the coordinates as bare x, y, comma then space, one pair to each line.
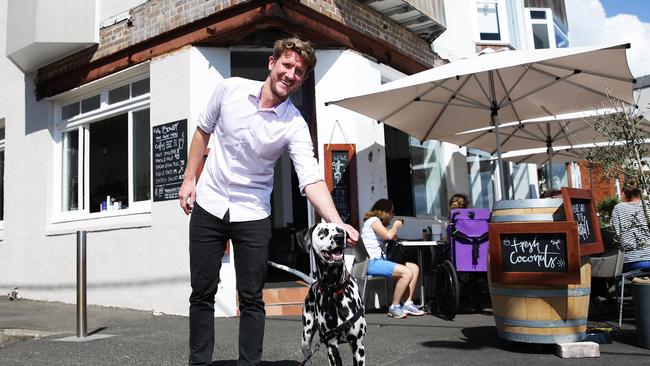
87, 88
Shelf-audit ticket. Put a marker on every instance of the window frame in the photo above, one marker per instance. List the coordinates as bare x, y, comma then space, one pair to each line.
548, 21
82, 122
502, 22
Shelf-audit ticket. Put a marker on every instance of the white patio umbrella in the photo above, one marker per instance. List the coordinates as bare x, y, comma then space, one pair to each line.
566, 130
540, 156
509, 85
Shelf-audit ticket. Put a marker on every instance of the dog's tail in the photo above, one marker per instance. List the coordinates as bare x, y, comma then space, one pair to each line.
295, 272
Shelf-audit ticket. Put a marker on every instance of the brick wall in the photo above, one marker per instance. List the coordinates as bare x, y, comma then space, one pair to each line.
156, 17
601, 188
367, 21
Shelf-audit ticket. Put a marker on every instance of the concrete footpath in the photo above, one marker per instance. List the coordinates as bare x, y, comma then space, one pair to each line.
29, 331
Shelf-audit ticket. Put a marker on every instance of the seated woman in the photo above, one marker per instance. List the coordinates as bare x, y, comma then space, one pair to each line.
631, 226
375, 233
458, 200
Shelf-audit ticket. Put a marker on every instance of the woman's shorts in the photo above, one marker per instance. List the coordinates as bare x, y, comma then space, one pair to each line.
381, 267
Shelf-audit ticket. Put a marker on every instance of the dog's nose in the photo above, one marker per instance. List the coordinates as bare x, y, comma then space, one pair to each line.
339, 236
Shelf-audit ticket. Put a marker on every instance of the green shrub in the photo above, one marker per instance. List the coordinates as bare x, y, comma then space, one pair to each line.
605, 207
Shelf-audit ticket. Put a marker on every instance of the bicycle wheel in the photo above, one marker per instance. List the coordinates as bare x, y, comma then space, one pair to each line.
447, 292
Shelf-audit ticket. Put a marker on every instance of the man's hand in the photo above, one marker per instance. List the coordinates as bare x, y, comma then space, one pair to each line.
187, 195
353, 234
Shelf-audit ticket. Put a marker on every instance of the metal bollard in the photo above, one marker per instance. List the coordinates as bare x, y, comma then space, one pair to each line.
82, 330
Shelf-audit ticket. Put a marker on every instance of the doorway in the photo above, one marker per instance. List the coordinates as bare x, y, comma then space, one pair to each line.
289, 211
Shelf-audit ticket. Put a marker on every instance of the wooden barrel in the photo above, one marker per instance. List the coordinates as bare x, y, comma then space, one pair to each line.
539, 313
547, 209
542, 314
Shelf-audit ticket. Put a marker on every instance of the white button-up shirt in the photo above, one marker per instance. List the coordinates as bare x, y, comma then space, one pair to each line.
247, 141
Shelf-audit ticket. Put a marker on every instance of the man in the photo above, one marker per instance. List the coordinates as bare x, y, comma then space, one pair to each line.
253, 123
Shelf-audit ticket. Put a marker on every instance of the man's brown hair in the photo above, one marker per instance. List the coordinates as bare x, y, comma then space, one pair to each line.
295, 44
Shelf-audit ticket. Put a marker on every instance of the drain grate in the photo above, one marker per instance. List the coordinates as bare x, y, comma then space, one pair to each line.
9, 336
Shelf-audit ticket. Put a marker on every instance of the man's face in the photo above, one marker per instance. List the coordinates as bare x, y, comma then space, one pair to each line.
287, 73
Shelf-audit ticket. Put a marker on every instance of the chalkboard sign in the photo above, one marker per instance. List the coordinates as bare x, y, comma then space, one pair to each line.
579, 207
169, 159
534, 253
341, 177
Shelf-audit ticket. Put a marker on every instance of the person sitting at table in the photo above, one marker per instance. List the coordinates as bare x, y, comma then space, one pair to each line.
375, 232
458, 200
631, 226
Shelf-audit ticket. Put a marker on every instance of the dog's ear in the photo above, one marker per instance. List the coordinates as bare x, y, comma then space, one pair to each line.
303, 238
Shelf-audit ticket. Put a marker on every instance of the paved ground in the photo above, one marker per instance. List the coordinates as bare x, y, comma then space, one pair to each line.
142, 338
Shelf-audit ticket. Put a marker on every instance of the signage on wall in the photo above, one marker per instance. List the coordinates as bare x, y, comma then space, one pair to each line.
169, 159
579, 207
534, 253
341, 179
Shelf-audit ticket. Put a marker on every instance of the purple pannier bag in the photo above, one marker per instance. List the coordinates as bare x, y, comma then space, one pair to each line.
468, 235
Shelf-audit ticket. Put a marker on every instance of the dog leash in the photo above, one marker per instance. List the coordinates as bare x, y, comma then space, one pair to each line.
334, 333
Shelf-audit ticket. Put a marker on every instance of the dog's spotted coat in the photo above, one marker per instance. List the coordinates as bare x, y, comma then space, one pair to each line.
334, 298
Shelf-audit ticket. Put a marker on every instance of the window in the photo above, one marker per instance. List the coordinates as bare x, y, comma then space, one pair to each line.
414, 175
105, 151
545, 31
488, 20
481, 172
540, 36
559, 174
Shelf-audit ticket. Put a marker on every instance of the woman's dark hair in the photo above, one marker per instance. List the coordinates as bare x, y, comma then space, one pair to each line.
458, 200
381, 209
631, 188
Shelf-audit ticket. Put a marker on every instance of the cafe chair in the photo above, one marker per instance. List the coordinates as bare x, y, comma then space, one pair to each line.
360, 271
624, 275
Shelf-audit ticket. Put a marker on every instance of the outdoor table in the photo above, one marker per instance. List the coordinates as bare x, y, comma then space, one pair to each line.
419, 244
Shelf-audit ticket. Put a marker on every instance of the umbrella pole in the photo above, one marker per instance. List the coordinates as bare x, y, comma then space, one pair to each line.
494, 118
495, 121
549, 151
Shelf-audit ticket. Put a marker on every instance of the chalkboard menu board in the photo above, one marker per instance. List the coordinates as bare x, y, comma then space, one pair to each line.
340, 176
579, 207
169, 159
534, 253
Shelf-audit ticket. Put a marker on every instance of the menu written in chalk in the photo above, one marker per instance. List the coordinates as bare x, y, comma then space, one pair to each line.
546, 252
169, 159
341, 183
582, 215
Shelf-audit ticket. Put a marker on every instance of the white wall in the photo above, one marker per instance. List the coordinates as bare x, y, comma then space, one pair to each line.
457, 41
143, 266
207, 67
340, 73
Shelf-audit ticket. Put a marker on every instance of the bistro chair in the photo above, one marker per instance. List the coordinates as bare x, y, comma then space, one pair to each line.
360, 271
624, 275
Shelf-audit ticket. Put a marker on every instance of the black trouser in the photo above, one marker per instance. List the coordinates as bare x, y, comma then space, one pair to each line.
208, 237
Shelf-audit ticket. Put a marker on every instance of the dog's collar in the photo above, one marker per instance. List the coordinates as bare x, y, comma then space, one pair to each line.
337, 289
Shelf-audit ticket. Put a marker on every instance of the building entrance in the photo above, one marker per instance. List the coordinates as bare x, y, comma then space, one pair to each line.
289, 212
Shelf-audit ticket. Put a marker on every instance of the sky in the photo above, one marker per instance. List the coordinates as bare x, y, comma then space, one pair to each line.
595, 22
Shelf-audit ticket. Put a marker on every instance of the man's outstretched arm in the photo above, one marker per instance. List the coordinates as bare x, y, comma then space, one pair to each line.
320, 197
187, 193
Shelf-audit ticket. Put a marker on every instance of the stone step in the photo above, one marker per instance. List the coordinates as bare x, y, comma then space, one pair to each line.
283, 299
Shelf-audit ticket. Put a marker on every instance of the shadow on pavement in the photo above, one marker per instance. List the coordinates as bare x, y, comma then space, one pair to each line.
475, 338
486, 337
264, 363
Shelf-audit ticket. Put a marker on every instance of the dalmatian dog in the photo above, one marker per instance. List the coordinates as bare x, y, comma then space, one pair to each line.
333, 306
